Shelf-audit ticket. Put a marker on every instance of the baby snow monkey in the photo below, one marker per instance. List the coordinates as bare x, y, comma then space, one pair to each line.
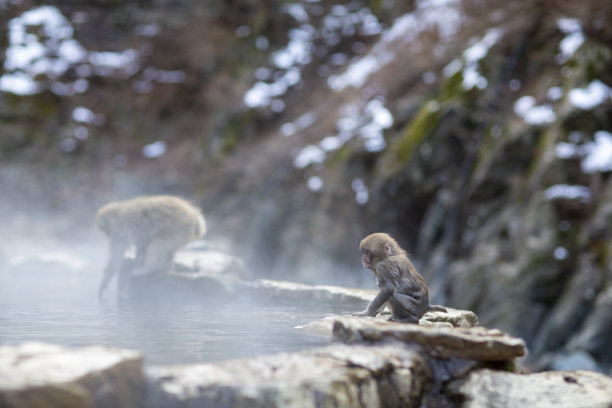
402, 289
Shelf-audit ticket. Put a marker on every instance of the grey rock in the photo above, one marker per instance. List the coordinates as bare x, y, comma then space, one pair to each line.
454, 318
194, 275
301, 291
34, 375
336, 376
555, 389
211, 263
596, 331
476, 343
572, 306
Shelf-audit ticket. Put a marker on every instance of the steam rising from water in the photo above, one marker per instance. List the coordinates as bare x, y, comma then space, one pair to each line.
48, 292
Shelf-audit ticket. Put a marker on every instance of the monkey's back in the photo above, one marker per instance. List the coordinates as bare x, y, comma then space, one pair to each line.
150, 216
411, 281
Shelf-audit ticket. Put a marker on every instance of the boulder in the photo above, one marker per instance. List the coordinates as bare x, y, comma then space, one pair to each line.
454, 318
195, 275
335, 376
474, 343
37, 375
213, 263
556, 389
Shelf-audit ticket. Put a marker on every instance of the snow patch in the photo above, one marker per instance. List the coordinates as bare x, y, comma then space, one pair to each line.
471, 57
593, 95
572, 41
596, 156
288, 62
41, 43
155, 149
560, 253
554, 93
568, 192
309, 155
301, 123
442, 15
368, 122
599, 153
533, 114
362, 194
315, 183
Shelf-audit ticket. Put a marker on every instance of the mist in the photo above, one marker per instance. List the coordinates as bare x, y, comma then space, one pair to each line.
50, 272
477, 134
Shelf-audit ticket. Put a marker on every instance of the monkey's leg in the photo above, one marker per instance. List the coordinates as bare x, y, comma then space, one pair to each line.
405, 308
159, 256
115, 257
141, 253
125, 276
406, 319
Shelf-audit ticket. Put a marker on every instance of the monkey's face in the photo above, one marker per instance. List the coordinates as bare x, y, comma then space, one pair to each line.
366, 257
374, 248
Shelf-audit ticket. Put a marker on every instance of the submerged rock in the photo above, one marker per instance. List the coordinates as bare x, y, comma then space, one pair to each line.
41, 375
559, 389
335, 376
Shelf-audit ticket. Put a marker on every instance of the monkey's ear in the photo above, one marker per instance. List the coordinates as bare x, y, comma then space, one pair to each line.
388, 249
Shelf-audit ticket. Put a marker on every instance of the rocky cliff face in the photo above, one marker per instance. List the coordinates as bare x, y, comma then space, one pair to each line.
477, 133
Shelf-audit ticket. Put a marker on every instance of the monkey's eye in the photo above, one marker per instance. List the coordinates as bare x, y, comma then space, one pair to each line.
365, 251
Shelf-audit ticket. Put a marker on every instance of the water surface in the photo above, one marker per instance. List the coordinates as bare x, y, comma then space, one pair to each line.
62, 308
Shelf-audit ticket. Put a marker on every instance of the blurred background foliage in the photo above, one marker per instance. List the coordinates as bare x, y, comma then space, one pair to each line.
478, 132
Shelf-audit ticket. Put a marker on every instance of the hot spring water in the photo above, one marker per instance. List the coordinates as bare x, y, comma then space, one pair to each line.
64, 309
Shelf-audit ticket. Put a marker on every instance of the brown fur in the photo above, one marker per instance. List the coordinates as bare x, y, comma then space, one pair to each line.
156, 225
402, 288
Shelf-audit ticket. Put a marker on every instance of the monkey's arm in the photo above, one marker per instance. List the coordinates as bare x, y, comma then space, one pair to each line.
378, 303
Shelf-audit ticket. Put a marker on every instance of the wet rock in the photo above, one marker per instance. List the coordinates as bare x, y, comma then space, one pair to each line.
36, 375
211, 263
209, 274
559, 389
475, 343
303, 292
336, 376
194, 275
206, 274
454, 318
